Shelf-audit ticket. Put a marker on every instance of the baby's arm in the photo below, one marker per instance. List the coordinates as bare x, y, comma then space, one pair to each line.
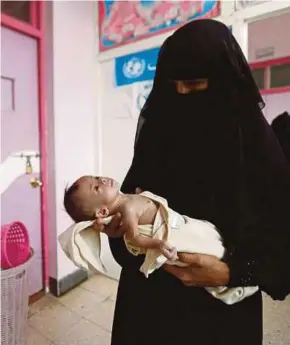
130, 224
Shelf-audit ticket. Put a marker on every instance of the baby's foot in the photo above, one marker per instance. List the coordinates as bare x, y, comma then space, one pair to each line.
169, 252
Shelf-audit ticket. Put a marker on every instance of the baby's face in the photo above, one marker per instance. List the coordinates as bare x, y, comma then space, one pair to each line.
100, 191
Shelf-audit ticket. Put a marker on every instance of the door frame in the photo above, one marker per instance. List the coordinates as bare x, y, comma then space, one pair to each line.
35, 29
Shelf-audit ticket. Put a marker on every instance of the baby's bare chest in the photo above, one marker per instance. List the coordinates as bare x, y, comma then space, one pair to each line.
146, 209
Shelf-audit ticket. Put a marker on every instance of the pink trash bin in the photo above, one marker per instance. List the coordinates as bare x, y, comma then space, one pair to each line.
15, 246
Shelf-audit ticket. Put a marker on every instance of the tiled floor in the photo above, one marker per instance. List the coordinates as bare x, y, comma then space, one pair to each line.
84, 317
81, 317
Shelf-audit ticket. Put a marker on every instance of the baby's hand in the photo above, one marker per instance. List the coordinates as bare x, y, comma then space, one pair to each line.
169, 252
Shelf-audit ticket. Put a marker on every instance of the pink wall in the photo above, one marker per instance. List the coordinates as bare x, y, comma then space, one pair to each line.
271, 32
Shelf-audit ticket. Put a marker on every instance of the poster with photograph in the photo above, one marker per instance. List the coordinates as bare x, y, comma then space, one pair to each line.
122, 22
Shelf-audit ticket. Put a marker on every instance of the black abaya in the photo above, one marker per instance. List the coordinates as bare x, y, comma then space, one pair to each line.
212, 155
281, 128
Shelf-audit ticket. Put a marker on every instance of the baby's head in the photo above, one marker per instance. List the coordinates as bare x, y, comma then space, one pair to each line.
91, 197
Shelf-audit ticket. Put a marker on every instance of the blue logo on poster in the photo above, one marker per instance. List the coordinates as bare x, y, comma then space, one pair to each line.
136, 67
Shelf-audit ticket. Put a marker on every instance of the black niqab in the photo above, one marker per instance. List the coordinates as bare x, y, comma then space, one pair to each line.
213, 156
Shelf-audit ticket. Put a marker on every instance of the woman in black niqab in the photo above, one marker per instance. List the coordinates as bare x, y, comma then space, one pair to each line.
213, 156
281, 128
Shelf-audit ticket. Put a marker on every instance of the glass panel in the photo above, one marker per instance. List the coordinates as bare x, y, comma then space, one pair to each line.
280, 75
17, 9
259, 76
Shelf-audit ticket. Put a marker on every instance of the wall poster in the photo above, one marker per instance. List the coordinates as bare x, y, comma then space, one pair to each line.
122, 22
136, 71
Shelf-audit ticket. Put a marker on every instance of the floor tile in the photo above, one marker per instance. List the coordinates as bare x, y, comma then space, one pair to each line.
276, 321
35, 338
84, 333
102, 314
81, 300
102, 285
91, 306
84, 317
51, 322
48, 301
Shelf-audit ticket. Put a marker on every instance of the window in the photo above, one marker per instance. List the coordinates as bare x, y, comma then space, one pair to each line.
259, 76
280, 75
17, 9
273, 75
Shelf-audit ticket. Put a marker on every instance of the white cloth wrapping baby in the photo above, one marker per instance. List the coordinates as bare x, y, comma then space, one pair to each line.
82, 244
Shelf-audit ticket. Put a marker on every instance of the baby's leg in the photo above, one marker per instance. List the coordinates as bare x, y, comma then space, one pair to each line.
154, 243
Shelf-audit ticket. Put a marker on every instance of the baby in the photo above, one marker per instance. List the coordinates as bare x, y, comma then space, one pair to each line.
150, 228
99, 197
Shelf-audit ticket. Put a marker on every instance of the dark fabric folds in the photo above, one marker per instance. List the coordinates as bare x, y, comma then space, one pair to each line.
213, 156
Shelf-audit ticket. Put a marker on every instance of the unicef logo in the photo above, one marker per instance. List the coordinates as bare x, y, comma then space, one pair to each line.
134, 68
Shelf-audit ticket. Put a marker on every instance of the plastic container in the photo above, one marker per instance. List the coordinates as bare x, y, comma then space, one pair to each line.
15, 246
14, 304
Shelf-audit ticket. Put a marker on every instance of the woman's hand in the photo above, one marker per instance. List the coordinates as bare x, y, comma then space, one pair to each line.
113, 229
138, 190
203, 270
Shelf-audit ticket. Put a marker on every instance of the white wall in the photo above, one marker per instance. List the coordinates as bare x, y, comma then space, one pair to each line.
72, 110
271, 32
118, 124
276, 104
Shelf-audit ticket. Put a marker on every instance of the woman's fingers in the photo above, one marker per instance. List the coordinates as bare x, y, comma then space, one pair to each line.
185, 275
138, 190
99, 225
114, 225
113, 229
191, 259
203, 270
181, 273
115, 222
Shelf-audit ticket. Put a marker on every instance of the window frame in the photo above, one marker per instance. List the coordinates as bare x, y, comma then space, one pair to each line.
30, 29
267, 64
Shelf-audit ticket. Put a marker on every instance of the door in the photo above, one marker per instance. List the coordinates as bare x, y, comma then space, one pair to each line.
20, 143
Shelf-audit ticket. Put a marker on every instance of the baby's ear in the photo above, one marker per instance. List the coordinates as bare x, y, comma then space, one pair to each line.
102, 212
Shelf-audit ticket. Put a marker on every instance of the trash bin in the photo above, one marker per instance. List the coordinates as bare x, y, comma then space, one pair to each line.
14, 304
